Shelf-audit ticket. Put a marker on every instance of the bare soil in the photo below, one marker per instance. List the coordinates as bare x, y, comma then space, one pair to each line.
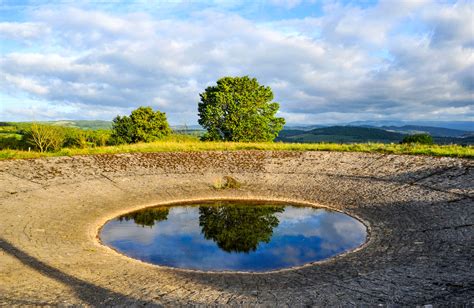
419, 210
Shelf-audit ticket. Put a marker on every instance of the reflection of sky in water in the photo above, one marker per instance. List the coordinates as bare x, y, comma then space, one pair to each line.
303, 235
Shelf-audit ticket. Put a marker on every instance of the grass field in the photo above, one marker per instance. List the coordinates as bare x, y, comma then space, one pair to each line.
189, 143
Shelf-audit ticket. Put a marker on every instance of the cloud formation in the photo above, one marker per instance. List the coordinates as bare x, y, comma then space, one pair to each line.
411, 61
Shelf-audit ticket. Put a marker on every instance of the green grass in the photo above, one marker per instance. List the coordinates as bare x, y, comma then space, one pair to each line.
183, 143
11, 135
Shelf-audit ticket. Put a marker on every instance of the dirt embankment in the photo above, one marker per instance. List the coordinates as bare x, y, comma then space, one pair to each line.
419, 210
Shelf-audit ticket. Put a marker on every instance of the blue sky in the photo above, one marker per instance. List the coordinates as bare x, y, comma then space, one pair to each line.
326, 61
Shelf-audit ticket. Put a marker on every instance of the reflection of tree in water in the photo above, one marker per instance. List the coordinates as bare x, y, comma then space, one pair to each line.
147, 217
238, 228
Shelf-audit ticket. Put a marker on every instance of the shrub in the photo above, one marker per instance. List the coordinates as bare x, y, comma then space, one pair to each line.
418, 138
75, 138
12, 141
100, 137
143, 125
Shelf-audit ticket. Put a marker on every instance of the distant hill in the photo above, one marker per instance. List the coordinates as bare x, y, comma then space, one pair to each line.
433, 131
340, 134
304, 127
357, 134
187, 128
84, 124
459, 125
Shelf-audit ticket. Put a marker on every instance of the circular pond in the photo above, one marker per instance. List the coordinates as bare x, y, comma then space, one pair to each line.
233, 235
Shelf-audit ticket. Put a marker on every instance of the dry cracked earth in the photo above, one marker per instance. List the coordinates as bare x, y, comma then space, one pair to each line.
419, 211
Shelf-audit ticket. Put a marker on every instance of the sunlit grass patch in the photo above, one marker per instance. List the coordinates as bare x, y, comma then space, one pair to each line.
183, 143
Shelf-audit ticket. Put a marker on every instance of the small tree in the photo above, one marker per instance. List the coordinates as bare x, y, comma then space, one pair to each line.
45, 137
418, 138
149, 125
76, 137
122, 130
239, 109
143, 124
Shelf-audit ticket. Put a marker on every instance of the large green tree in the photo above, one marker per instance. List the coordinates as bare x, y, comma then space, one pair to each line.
143, 125
239, 109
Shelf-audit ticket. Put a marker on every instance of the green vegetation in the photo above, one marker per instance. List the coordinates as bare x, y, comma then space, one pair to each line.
353, 134
341, 134
239, 109
238, 228
146, 130
418, 138
185, 143
10, 137
41, 137
143, 125
45, 137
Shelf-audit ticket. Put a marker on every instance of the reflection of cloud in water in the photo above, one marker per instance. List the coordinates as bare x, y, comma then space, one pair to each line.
290, 255
330, 225
293, 214
184, 216
127, 231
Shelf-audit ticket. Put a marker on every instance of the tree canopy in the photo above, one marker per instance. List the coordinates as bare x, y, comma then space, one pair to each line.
45, 137
239, 109
143, 125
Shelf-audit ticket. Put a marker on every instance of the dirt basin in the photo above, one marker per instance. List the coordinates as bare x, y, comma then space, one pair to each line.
419, 211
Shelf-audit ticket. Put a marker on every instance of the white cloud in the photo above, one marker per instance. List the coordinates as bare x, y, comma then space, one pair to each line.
411, 60
25, 84
25, 30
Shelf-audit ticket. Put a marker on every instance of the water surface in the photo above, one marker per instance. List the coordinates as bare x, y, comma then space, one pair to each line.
233, 236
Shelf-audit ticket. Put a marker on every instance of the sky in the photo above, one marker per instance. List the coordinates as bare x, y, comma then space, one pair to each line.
326, 61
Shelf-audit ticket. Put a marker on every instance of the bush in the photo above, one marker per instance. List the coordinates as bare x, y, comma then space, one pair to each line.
80, 138
100, 137
418, 138
12, 141
122, 130
75, 138
143, 125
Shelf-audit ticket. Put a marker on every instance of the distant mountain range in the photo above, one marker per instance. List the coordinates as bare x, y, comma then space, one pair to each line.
433, 131
460, 125
457, 125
